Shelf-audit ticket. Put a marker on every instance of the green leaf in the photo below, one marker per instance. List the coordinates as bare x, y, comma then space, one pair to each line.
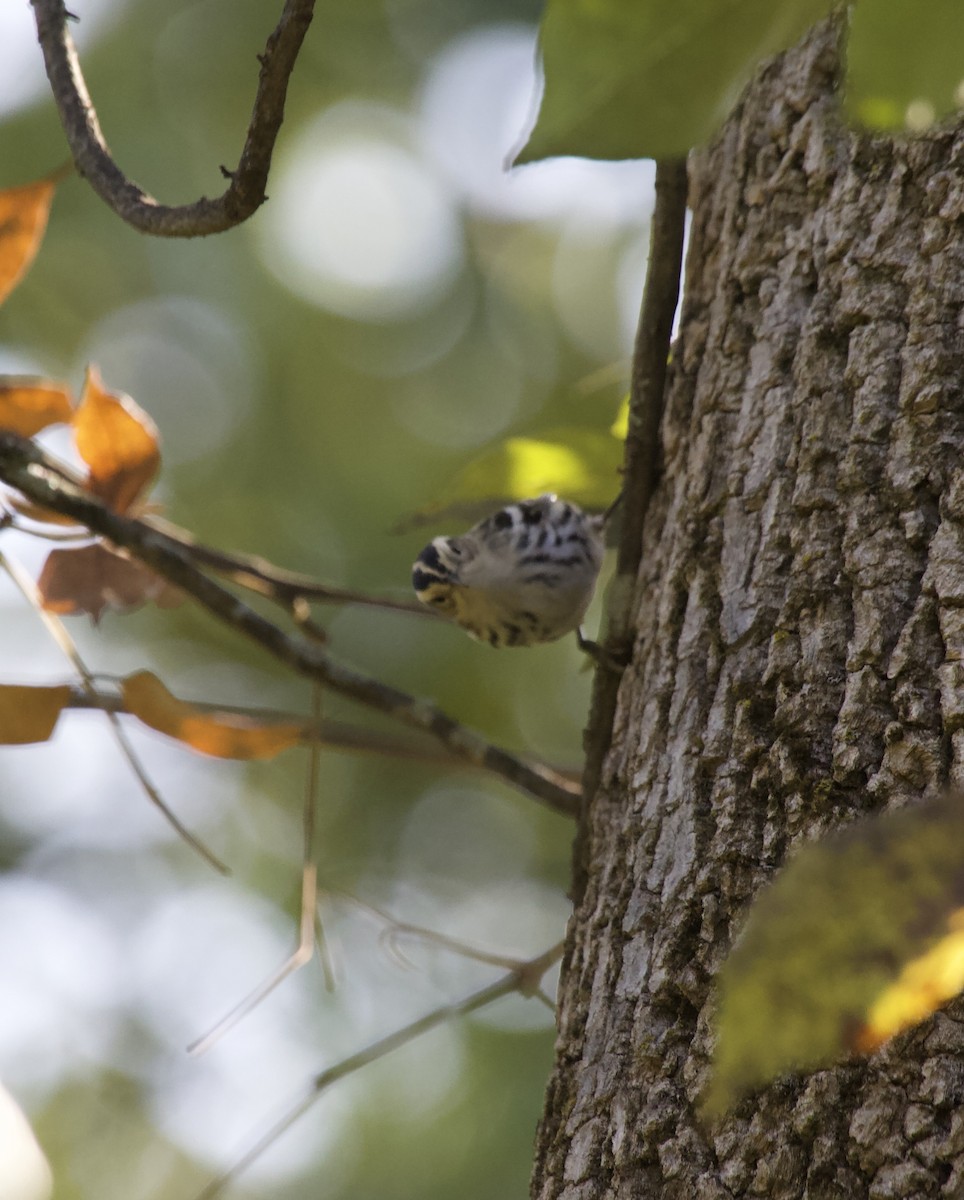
905, 62
812, 976
580, 464
652, 78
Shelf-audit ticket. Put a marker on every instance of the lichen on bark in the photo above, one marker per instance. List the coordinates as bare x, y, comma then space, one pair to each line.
798, 658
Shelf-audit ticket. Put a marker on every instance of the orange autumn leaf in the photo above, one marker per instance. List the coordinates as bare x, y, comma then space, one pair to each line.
94, 578
117, 440
23, 219
29, 405
924, 984
29, 714
223, 734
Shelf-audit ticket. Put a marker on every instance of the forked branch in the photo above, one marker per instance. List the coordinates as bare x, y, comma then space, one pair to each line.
525, 978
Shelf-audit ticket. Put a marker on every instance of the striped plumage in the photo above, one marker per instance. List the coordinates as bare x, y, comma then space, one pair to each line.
524, 575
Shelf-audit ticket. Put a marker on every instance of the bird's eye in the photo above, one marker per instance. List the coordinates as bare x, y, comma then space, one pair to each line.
437, 600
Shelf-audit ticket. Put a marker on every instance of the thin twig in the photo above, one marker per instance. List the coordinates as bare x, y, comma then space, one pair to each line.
641, 461
395, 929
246, 190
336, 735
305, 948
524, 978
65, 643
326, 957
294, 962
278, 584
400, 929
312, 927
29, 469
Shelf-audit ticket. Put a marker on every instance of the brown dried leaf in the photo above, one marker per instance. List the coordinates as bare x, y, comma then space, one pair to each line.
29, 714
23, 219
29, 405
223, 734
118, 441
93, 578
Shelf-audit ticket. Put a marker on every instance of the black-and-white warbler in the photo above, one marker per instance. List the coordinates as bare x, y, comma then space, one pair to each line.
524, 575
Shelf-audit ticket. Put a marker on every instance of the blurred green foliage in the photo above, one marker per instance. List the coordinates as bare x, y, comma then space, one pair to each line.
651, 80
826, 939
296, 432
905, 65
655, 79
578, 463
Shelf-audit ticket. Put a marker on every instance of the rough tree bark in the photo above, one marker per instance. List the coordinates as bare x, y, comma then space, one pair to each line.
798, 657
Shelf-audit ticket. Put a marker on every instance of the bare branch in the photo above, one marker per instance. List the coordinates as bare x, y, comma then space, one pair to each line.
335, 735
310, 919
246, 190
650, 360
395, 930
29, 469
285, 587
641, 462
524, 978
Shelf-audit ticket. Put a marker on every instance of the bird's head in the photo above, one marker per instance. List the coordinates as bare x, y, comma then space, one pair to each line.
435, 574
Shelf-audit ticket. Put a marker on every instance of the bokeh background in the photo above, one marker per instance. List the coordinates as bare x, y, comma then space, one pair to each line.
398, 307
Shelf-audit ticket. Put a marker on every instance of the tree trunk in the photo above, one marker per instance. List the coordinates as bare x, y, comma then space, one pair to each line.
798, 656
